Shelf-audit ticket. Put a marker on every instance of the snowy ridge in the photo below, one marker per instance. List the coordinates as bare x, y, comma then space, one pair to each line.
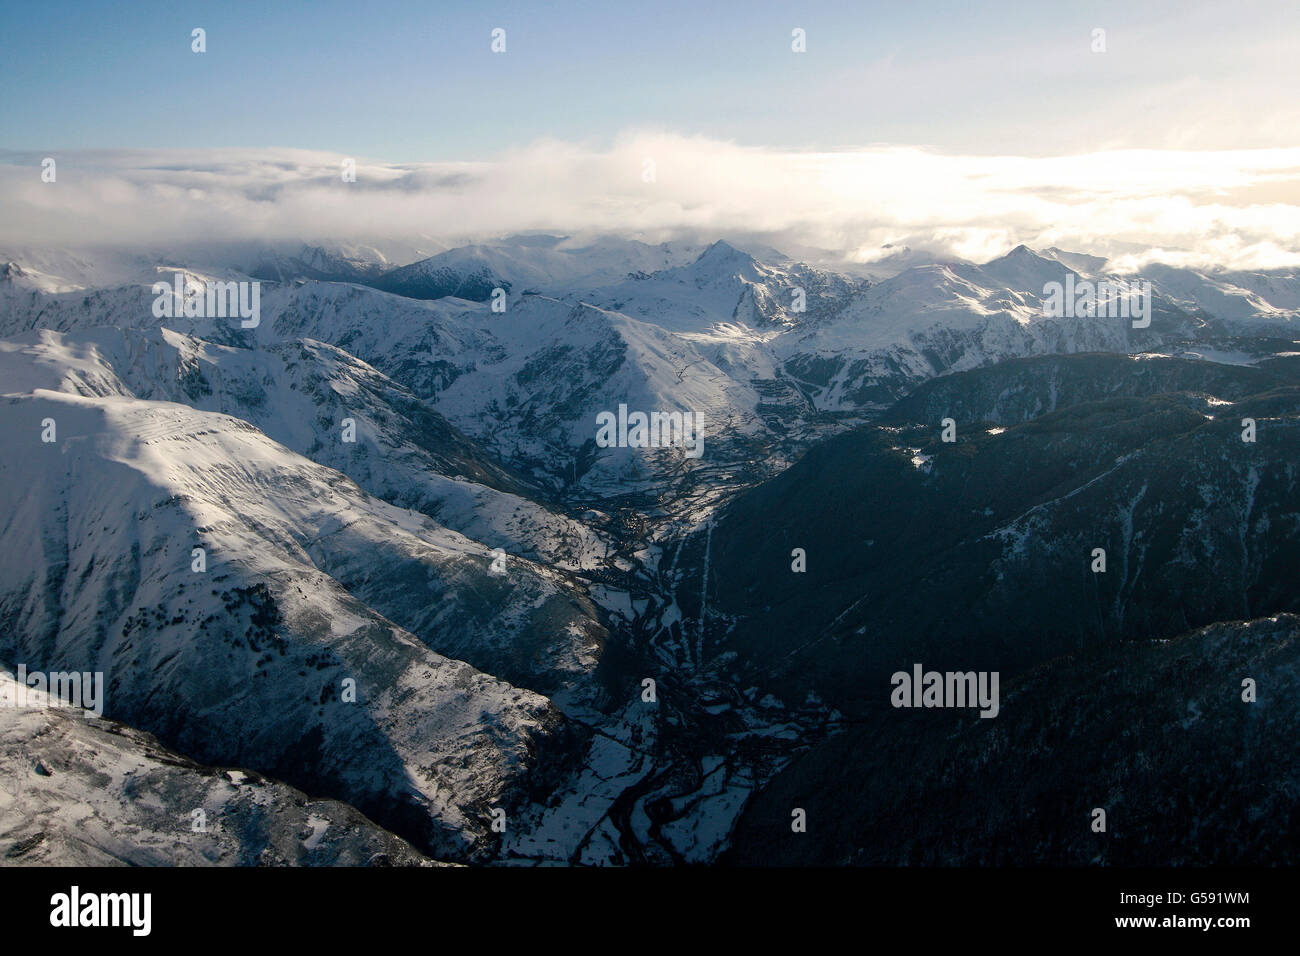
299, 393
719, 334
78, 792
190, 656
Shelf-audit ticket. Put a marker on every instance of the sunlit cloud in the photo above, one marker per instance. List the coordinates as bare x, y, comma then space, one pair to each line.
1230, 208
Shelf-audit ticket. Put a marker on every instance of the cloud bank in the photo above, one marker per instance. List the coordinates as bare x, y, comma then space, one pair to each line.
1230, 208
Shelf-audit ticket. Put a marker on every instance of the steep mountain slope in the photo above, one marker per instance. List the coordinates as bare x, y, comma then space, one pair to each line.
527, 385
725, 286
535, 401
1157, 734
979, 552
1018, 390
536, 263
942, 318
93, 792
301, 393
1263, 298
618, 564
719, 335
98, 576
336, 263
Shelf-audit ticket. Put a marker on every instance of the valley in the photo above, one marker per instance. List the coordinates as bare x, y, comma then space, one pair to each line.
374, 552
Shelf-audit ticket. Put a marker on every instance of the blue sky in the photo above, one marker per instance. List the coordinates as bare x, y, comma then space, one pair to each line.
416, 82
959, 128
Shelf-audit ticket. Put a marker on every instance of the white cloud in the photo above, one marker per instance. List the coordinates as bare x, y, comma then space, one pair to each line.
1234, 208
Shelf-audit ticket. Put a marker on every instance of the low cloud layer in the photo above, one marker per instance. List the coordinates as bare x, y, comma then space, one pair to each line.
1230, 208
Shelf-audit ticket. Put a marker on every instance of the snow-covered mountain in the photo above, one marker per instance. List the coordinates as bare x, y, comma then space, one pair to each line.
300, 393
536, 263
305, 581
1155, 732
750, 340
397, 485
94, 792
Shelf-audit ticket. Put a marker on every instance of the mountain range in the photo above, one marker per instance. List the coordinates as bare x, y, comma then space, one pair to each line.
364, 584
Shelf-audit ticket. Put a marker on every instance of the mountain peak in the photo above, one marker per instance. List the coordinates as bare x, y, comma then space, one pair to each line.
1019, 257
719, 248
722, 258
1024, 269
